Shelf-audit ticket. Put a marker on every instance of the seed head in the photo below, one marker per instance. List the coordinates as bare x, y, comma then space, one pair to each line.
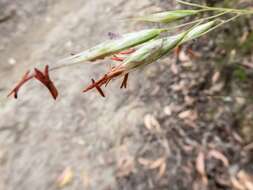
168, 16
152, 51
198, 31
112, 46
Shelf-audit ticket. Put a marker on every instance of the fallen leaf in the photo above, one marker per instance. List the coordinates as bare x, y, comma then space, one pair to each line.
174, 69
160, 164
151, 123
218, 155
189, 100
167, 110
236, 184
157, 163
125, 166
162, 169
183, 57
217, 87
144, 161
188, 114
200, 167
65, 178
244, 37
246, 179
215, 77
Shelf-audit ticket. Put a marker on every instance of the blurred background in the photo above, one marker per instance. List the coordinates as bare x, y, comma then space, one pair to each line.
178, 125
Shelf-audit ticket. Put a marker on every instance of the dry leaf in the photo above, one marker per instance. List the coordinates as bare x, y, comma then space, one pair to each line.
188, 114
160, 163
125, 166
185, 114
236, 184
215, 77
179, 86
189, 100
183, 57
65, 178
174, 69
157, 163
162, 169
200, 166
167, 110
144, 161
151, 123
187, 64
246, 179
240, 100
216, 87
248, 147
244, 37
218, 155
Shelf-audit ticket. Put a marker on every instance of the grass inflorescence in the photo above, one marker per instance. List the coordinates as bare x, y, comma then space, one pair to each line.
134, 50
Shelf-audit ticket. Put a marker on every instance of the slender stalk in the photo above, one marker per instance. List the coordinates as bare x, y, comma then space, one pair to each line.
207, 8
199, 20
222, 23
192, 4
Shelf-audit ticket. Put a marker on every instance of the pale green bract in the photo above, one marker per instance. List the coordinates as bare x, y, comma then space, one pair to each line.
112, 46
152, 51
168, 16
198, 31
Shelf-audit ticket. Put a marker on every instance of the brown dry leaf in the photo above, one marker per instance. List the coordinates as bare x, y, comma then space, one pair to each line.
200, 167
240, 100
216, 87
151, 123
245, 179
248, 147
185, 114
183, 57
160, 163
174, 69
188, 114
65, 178
190, 123
162, 169
157, 163
168, 110
237, 137
244, 37
236, 184
215, 77
187, 64
125, 166
189, 100
218, 155
181, 86
144, 161
247, 64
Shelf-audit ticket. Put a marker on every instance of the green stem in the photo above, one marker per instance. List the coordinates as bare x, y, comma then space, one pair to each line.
200, 20
207, 8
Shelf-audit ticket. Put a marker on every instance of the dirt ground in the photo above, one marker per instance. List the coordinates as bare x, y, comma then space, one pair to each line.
170, 129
